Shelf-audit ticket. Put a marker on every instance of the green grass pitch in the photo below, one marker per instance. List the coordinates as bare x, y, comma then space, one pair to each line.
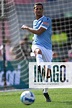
61, 98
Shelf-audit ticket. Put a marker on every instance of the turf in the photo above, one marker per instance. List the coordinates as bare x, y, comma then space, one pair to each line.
61, 98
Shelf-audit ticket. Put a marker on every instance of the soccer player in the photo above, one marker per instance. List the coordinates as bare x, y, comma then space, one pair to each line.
42, 45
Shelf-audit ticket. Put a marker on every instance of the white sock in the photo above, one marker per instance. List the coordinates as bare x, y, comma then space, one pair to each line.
45, 90
39, 59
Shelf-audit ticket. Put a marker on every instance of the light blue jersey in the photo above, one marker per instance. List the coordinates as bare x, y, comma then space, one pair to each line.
45, 38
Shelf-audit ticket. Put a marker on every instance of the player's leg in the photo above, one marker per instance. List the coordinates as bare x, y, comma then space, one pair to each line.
39, 53
39, 59
46, 95
47, 57
45, 90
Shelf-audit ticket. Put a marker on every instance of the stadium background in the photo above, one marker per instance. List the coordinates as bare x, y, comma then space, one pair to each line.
19, 12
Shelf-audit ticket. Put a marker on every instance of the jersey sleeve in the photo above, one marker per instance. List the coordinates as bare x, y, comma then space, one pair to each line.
46, 23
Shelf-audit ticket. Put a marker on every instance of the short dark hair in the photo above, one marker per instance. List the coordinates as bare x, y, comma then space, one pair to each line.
38, 4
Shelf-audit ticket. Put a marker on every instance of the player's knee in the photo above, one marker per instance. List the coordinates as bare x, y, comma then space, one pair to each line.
37, 51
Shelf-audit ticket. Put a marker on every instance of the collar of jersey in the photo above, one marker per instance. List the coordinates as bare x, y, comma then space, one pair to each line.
40, 18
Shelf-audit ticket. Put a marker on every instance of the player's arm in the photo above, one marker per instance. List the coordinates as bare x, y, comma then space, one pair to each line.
34, 31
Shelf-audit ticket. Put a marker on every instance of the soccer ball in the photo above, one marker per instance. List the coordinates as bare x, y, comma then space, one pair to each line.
27, 97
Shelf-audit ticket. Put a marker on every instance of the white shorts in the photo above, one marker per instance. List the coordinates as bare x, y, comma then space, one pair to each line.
46, 53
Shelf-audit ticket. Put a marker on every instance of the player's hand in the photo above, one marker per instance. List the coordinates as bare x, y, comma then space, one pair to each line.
24, 27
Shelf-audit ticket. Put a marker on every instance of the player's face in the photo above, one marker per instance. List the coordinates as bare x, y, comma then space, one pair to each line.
38, 10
